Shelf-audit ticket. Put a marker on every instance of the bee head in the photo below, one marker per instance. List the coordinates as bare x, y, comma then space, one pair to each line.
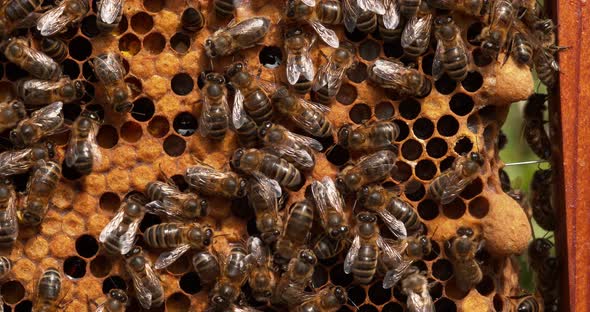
465, 231
210, 48
235, 68
23, 135
19, 109
344, 134
307, 256
118, 295
236, 158
15, 48
340, 294
540, 247
264, 128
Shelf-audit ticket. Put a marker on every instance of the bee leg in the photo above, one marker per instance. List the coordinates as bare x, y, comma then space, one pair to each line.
508, 50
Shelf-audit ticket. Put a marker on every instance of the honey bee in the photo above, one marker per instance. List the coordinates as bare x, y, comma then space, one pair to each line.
369, 169
167, 199
296, 149
252, 160
55, 48
245, 128
325, 247
237, 36
329, 77
308, 116
416, 35
330, 204
526, 303
367, 22
38, 64
249, 95
296, 232
214, 119
546, 66
108, 68
8, 220
461, 251
534, 130
117, 301
415, 286
209, 181
235, 269
540, 199
329, 12
451, 54
391, 35
476, 8
21, 160
261, 278
366, 248
48, 291
110, 13
66, 13
192, 19
465, 169
494, 36
16, 14
207, 266
328, 299
545, 278
409, 8
538, 250
368, 137
263, 195
118, 235
291, 286
302, 11
148, 288
5, 266
225, 8
11, 112
40, 189
416, 248
181, 237
44, 122
299, 64
36, 92
521, 49
82, 151
392, 74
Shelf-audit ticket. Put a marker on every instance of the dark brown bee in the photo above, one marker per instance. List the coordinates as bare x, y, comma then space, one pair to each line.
167, 199
57, 19
11, 112
403, 81
5, 266
522, 50
527, 303
234, 273
118, 235
109, 14
40, 190
117, 301
294, 148
214, 119
330, 75
21, 160
451, 54
207, 266
16, 14
83, 152
368, 137
538, 250
261, 278
369, 169
540, 199
55, 48
308, 116
251, 160
461, 251
224, 8
148, 288
8, 219
546, 66
328, 299
292, 284
48, 291
263, 197
192, 19
209, 181
246, 130
393, 270
391, 35
38, 64
43, 122
36, 92
249, 95
300, 67
108, 68
409, 8
297, 229
415, 286
329, 12
330, 205
235, 37
534, 130
416, 35
494, 36
301, 11
446, 187
367, 22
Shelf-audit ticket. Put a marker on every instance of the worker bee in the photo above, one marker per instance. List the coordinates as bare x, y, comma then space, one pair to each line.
538, 250
526, 303
326, 247
109, 14
224, 8
179, 236
461, 251
328, 299
167, 199
494, 36
465, 169
263, 197
415, 286
11, 112
48, 291
393, 269
21, 160
235, 269
237, 36
329, 12
5, 266
55, 48
546, 66
521, 48
148, 288
16, 14
44, 122
369, 169
82, 151
366, 248
476, 8
108, 68
118, 235
416, 35
209, 181
252, 160
308, 116
8, 220
302, 11
451, 54
40, 189
392, 74
330, 204
117, 301
38, 64
409, 8
245, 128
391, 35
36, 92
296, 149
534, 130
207, 266
300, 69
368, 137
296, 232
214, 119
540, 199
192, 19
67, 12
261, 278
329, 77
249, 95
291, 286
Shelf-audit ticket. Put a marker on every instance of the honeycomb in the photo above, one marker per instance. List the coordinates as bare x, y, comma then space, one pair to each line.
163, 65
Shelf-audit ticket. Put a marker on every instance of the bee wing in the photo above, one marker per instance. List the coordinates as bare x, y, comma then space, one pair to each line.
110, 10
111, 64
351, 14
375, 6
333, 195
53, 20
417, 29
205, 125
320, 196
93, 144
303, 140
322, 77
163, 208
390, 70
126, 240
11, 220
310, 3
351, 255
167, 258
236, 308
393, 276
437, 67
257, 250
388, 250
14, 162
111, 226
100, 308
298, 65
421, 302
144, 296
328, 35
238, 116
373, 162
298, 155
199, 177
391, 16
49, 118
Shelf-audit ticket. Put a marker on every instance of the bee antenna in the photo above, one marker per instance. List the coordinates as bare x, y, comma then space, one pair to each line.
527, 162
354, 304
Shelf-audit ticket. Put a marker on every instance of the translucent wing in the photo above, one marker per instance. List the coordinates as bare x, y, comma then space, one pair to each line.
144, 296
321, 78
420, 302
388, 250
294, 154
163, 208
417, 30
314, 106
391, 16
53, 20
319, 194
437, 67
89, 144
264, 188
9, 220
200, 177
391, 71
452, 191
109, 10
310, 3
351, 255
380, 163
375, 6
235, 308
238, 116
152, 278
112, 226
395, 226
333, 195
126, 240
351, 14
327, 35
15, 162
205, 125
304, 121
302, 140
257, 250
100, 308
299, 65
110, 68
167, 258
49, 118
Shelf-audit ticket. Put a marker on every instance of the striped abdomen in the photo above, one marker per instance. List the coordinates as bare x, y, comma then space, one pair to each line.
112, 242
365, 264
390, 35
281, 170
324, 128
54, 48
164, 235
367, 22
8, 229
299, 222
329, 12
248, 134
258, 106
5, 266
409, 8
207, 266
404, 212
48, 290
217, 120
224, 8
456, 62
19, 9
537, 138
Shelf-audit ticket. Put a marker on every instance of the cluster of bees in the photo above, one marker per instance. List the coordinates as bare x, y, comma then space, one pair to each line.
273, 159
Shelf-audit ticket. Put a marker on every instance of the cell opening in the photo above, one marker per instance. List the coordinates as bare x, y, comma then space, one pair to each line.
154, 5
425, 170
180, 182
142, 23
129, 43
378, 295
479, 207
423, 128
131, 131
89, 27
357, 295
100, 266
473, 123
319, 277
427, 64
393, 49
12, 292
455, 209
480, 58
134, 85
409, 108
463, 146
436, 290
445, 304
270, 57
436, 147
80, 48
404, 130
107, 136
158, 127
446, 163
486, 286
24, 306
473, 33
498, 303
70, 68
384, 110
180, 266
251, 227
447, 125
473, 189
14, 72
174, 145
178, 302
461, 104
71, 112
347, 94
143, 109
338, 277
74, 267
368, 308
113, 282
109, 201
182, 84
442, 269
355, 36
20, 182
180, 42
88, 72
357, 73
369, 50
445, 85
154, 43
488, 114
473, 81
411, 149
428, 210
86, 246
190, 283
434, 252
185, 124
402, 172
360, 113
416, 194
392, 307
123, 25
148, 220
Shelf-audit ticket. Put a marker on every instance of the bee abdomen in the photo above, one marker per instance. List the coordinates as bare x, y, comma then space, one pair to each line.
367, 22
153, 190
224, 8
365, 264
19, 9
299, 223
207, 267
258, 106
326, 247
192, 20
302, 86
390, 35
281, 170
165, 235
537, 139
54, 48
529, 304
218, 124
50, 285
8, 231
329, 12
409, 8
5, 266
325, 95
406, 214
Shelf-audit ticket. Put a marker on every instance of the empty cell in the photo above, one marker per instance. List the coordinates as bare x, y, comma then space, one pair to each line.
455, 209
86, 246
107, 136
178, 302
70, 68
180, 42
435, 290
473, 81
24, 306
384, 110
473, 189
402, 172
347, 94
158, 127
404, 130
182, 84
463, 146
423, 128
447, 125
498, 302
74, 267
71, 112
479, 207
392, 307
425, 170
142, 23
446, 163
378, 295
481, 59
461, 104
357, 295
369, 50
270, 57
80, 48
109, 201
416, 194
129, 43
12, 292
428, 210
131, 131
409, 108
190, 283
411, 150
486, 286
445, 85
174, 145
473, 33
338, 277
368, 308
180, 266
180, 182
445, 304
360, 113
436, 148
100, 266
427, 64
154, 43
143, 109
442, 269
357, 73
